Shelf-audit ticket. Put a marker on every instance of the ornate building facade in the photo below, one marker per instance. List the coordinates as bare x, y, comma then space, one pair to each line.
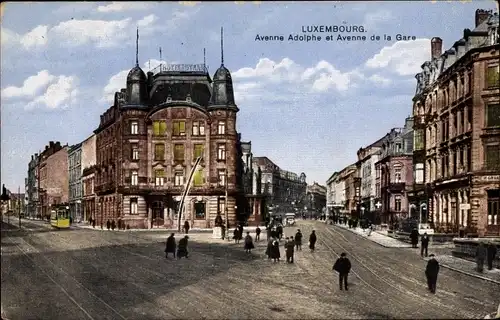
335, 194
88, 167
285, 191
457, 113
316, 198
31, 188
149, 141
394, 174
53, 177
75, 182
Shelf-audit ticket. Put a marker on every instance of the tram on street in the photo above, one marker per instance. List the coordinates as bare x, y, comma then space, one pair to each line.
59, 216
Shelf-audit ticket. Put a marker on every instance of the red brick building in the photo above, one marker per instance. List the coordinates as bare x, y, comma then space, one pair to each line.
457, 114
53, 177
148, 141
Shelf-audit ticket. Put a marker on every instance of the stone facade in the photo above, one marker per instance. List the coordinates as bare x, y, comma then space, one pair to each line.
148, 143
335, 194
457, 107
75, 182
53, 177
285, 190
31, 187
316, 198
88, 177
251, 180
394, 174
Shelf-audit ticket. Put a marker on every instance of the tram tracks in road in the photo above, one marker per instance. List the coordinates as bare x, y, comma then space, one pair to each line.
391, 284
56, 268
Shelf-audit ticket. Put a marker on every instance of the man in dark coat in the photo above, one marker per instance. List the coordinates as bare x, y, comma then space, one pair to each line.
298, 240
343, 267
279, 229
186, 227
269, 249
289, 247
236, 235
481, 254
248, 243
312, 240
113, 225
170, 248
491, 253
257, 234
182, 248
414, 238
424, 244
108, 224
431, 272
240, 231
275, 250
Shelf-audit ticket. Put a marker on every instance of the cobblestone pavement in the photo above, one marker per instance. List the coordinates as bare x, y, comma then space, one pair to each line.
84, 274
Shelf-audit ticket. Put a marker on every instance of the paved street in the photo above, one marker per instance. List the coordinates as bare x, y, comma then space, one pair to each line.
87, 274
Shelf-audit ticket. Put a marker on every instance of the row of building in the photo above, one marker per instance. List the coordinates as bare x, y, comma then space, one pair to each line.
171, 127
443, 166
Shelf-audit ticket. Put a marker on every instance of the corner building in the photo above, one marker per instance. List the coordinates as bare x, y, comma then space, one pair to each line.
457, 117
149, 140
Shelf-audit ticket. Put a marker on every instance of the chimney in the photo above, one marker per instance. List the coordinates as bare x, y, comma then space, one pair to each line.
481, 16
58, 144
436, 47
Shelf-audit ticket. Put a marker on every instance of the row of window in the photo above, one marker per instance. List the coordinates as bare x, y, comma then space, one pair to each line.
179, 151
178, 128
199, 208
179, 178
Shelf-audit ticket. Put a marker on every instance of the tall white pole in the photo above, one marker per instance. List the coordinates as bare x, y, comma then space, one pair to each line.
187, 187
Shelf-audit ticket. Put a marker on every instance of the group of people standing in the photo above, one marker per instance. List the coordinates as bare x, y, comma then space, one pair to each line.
291, 244
172, 246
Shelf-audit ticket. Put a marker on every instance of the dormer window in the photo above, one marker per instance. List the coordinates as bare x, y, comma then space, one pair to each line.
134, 127
221, 129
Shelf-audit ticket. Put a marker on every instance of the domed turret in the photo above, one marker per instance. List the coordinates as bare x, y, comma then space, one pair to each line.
137, 90
223, 93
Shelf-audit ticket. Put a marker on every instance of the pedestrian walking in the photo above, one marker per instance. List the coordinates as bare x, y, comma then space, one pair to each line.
269, 248
298, 240
170, 246
182, 248
275, 250
257, 234
268, 232
414, 238
279, 229
424, 245
186, 227
113, 225
481, 254
236, 235
431, 272
312, 240
289, 247
343, 267
108, 224
491, 253
248, 243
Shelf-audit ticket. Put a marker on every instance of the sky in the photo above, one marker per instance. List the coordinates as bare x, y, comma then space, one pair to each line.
308, 106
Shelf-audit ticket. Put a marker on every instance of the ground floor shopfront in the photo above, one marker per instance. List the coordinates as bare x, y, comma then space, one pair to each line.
470, 203
149, 210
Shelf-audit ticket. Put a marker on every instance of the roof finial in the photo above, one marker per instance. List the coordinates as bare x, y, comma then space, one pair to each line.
137, 48
222, 46
204, 57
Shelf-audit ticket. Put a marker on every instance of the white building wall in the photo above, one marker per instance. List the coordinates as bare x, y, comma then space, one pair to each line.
88, 152
339, 192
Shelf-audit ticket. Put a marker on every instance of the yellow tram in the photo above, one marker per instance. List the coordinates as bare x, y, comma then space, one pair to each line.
59, 217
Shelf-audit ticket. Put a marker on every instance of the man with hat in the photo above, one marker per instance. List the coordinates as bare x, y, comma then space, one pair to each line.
343, 267
431, 272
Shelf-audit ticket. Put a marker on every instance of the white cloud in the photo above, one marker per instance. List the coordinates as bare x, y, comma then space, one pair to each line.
118, 6
402, 57
45, 90
320, 78
101, 33
36, 37
380, 80
189, 3
373, 19
119, 80
31, 86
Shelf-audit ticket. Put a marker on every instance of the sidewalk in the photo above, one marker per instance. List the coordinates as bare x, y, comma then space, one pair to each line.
194, 230
467, 267
377, 237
